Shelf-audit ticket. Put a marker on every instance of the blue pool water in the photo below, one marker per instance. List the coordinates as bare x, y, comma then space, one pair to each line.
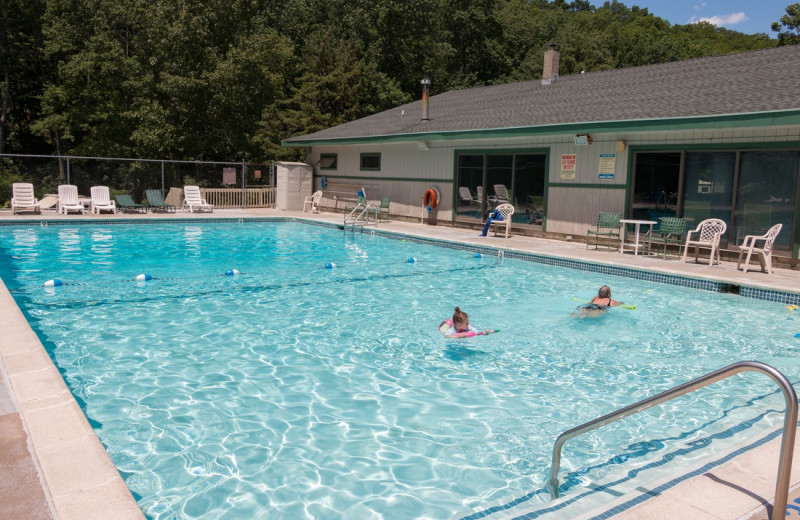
295, 391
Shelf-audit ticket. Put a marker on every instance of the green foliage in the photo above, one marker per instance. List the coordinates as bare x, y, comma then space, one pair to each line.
229, 80
788, 28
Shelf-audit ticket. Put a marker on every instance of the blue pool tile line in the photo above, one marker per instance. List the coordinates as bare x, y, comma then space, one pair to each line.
783, 297
625, 272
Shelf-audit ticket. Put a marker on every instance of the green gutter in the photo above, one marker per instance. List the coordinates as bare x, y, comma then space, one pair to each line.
755, 119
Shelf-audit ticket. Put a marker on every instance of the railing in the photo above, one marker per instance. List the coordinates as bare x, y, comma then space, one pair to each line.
236, 197
787, 442
359, 216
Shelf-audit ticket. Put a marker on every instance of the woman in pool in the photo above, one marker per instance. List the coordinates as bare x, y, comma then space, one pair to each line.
599, 303
459, 326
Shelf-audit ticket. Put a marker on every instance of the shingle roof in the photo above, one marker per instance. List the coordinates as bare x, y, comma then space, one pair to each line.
747, 82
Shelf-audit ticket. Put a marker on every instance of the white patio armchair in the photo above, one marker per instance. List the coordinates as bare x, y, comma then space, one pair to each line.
763, 253
194, 200
507, 212
312, 202
707, 235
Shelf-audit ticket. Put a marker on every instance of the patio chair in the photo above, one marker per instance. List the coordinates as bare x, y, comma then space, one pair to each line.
764, 253
23, 198
507, 212
101, 200
68, 199
668, 236
156, 202
313, 202
491, 200
708, 234
535, 209
126, 205
608, 228
383, 208
501, 194
194, 200
465, 197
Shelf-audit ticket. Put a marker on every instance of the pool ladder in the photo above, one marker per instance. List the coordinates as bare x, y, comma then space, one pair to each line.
787, 440
360, 215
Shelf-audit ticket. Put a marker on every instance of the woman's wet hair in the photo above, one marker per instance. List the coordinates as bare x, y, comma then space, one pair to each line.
604, 292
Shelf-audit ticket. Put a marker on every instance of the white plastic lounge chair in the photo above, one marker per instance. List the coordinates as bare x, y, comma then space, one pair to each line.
764, 253
465, 197
708, 234
101, 200
507, 211
313, 202
491, 200
23, 199
194, 201
68, 199
501, 194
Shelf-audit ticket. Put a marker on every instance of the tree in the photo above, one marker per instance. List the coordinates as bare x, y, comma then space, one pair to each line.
788, 28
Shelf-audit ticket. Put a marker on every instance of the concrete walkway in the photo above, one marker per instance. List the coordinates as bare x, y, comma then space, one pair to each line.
53, 466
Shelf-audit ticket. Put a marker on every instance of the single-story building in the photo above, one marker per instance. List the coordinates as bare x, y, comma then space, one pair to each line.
707, 137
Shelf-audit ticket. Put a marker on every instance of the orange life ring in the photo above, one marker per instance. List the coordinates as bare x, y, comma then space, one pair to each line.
430, 199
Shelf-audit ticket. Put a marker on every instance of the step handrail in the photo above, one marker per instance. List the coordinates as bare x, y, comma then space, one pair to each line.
787, 441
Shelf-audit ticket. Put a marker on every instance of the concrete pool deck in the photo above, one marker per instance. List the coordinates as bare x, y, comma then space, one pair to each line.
52, 465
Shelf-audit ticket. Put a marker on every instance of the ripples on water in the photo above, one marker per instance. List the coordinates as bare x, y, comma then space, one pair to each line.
295, 391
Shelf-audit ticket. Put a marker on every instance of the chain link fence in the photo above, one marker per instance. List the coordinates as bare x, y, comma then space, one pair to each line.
224, 184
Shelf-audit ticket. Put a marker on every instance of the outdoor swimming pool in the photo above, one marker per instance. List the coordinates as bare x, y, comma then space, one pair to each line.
296, 391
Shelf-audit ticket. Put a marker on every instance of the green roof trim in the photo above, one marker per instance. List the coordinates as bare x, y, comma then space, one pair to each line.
756, 119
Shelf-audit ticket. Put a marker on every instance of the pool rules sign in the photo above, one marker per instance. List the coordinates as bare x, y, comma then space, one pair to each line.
607, 165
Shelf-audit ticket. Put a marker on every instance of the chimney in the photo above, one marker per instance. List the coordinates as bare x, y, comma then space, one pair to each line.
550, 72
425, 84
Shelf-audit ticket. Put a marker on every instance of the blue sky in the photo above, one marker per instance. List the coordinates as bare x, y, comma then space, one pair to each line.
747, 16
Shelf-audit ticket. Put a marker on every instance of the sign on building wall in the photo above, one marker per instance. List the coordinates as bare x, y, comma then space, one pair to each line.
568, 162
607, 165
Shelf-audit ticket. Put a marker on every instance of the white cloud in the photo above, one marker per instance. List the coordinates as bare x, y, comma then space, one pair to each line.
700, 6
719, 21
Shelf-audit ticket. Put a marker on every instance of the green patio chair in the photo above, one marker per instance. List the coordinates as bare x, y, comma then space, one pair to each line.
126, 205
156, 202
668, 237
607, 230
383, 209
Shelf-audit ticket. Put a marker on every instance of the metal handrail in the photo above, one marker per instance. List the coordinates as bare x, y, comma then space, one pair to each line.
789, 424
359, 219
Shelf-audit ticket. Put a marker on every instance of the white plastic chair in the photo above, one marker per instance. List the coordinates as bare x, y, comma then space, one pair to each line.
708, 234
68, 199
313, 201
507, 211
764, 253
194, 201
101, 200
23, 198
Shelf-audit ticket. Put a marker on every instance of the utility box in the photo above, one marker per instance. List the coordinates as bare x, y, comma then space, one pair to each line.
294, 182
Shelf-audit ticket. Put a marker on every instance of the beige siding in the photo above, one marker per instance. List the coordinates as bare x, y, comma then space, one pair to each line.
569, 210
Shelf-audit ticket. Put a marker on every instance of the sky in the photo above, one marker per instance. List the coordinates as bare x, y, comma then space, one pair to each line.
746, 16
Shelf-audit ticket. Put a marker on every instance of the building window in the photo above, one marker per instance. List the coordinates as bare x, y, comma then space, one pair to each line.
750, 190
328, 161
371, 161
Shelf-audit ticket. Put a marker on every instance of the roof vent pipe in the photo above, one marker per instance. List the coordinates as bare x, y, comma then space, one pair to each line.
426, 83
550, 71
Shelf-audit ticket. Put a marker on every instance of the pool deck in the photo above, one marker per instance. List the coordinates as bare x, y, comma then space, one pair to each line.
53, 466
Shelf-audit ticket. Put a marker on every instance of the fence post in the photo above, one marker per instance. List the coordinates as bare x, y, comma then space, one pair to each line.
244, 185
68, 176
162, 178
